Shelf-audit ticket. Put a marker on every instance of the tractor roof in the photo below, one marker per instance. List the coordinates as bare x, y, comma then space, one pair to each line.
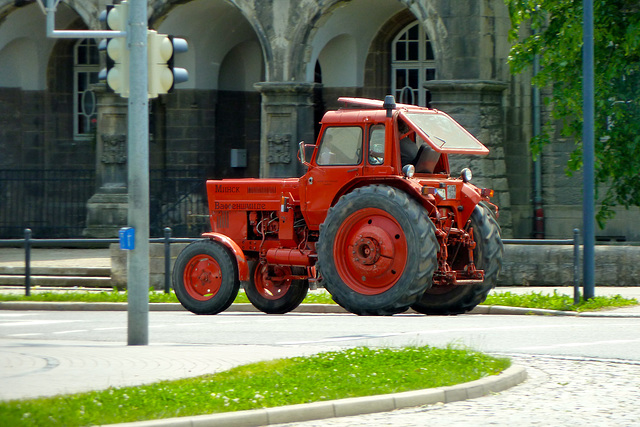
436, 128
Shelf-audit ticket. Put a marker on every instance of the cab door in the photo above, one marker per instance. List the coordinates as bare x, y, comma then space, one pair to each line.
338, 160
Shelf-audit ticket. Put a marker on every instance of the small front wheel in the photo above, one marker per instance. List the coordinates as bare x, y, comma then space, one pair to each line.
270, 292
205, 277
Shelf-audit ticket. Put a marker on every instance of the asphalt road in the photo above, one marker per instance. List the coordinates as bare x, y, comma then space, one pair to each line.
581, 370
613, 338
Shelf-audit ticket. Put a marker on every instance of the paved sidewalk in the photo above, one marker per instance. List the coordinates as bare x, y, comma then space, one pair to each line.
46, 257
97, 365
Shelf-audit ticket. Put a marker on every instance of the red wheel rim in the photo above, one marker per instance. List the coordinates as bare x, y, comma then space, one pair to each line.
202, 277
370, 251
267, 287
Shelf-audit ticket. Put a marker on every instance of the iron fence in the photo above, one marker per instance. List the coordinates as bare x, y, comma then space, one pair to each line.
53, 202
179, 201
28, 242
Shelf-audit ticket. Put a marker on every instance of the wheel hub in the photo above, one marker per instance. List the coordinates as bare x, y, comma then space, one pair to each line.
366, 251
371, 251
202, 277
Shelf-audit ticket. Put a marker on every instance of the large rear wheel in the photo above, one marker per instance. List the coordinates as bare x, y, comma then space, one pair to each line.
487, 255
205, 277
377, 251
270, 292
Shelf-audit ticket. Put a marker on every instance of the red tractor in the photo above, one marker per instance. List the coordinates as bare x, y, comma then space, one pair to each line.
378, 221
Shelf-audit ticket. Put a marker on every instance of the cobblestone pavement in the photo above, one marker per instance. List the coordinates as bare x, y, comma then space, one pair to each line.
558, 392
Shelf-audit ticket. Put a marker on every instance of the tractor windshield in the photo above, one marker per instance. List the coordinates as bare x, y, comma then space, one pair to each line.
443, 133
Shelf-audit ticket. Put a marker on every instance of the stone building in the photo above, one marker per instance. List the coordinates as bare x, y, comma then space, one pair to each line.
262, 72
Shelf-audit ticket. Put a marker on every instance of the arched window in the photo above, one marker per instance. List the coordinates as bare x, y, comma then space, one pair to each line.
412, 63
86, 67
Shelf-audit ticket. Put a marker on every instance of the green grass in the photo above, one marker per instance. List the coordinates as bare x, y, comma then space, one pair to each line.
84, 296
121, 296
558, 301
553, 301
326, 376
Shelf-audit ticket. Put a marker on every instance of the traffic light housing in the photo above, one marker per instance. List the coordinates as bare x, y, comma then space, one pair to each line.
163, 75
117, 72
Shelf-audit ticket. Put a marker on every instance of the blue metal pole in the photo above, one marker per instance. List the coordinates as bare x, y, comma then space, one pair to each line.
576, 266
167, 260
27, 262
588, 151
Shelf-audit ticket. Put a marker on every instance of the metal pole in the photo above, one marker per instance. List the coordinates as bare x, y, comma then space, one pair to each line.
576, 266
538, 208
167, 260
27, 262
588, 154
138, 175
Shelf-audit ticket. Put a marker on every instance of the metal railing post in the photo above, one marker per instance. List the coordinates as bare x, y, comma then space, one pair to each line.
167, 260
27, 262
576, 266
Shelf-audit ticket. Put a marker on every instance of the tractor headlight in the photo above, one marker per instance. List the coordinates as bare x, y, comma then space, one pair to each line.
466, 175
408, 170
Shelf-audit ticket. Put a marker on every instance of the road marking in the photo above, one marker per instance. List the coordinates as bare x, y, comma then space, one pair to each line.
35, 322
26, 335
577, 344
429, 332
16, 314
338, 339
70, 332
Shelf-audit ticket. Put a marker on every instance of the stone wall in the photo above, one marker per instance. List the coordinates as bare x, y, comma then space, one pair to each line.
523, 265
156, 264
546, 265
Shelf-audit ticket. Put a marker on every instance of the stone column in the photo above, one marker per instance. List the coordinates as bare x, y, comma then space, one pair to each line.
107, 208
477, 106
287, 118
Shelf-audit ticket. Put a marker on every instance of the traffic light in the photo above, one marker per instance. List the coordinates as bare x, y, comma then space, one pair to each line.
117, 72
163, 75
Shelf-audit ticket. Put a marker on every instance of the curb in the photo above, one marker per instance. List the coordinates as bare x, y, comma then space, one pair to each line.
500, 309
304, 308
512, 376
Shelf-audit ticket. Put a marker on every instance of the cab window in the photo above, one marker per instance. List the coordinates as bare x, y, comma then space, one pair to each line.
340, 146
376, 144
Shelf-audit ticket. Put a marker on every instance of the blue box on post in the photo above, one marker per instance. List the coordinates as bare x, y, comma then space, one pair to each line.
127, 238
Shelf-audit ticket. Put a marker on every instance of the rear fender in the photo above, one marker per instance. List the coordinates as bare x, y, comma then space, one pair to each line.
243, 266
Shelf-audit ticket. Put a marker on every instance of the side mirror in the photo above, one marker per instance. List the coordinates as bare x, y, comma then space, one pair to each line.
302, 153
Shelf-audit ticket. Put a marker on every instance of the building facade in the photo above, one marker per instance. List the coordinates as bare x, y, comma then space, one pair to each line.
262, 72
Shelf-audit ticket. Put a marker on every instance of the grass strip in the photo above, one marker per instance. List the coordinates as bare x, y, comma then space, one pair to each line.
529, 300
121, 296
558, 301
332, 375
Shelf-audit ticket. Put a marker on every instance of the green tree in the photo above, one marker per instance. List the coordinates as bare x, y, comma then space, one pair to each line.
552, 29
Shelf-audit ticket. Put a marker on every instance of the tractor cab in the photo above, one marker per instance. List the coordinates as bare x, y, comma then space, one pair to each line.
371, 141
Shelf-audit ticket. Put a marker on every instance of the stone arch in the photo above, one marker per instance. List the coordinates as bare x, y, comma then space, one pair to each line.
217, 109
241, 67
363, 18
338, 63
213, 29
205, 22
28, 24
19, 64
377, 76
36, 79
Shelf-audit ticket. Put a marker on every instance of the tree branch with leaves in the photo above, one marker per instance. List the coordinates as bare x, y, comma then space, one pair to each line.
552, 30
